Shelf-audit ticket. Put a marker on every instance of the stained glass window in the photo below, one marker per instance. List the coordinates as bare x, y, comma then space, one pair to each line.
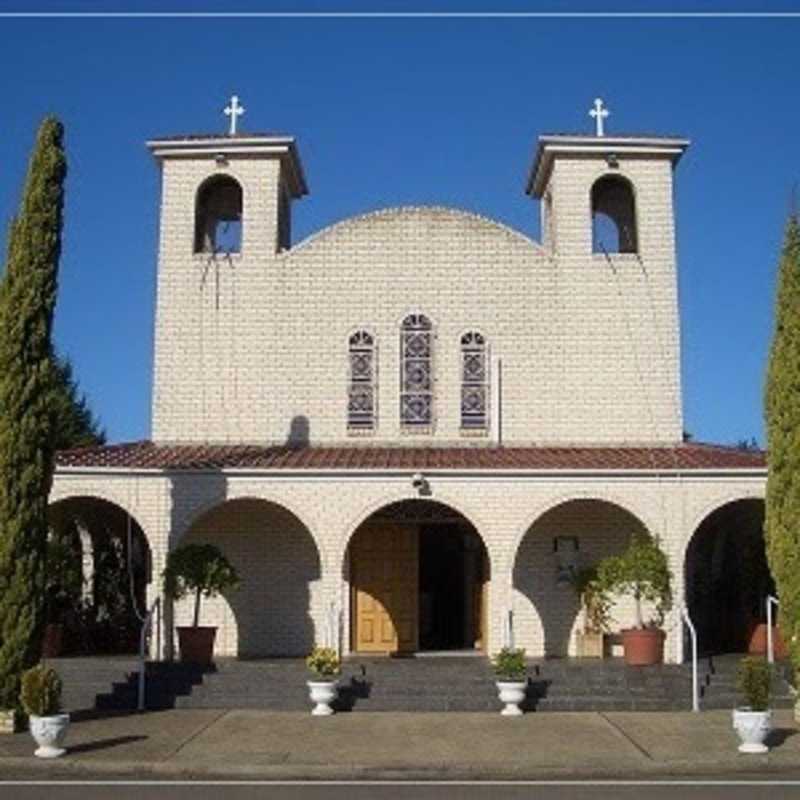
416, 372
474, 382
361, 387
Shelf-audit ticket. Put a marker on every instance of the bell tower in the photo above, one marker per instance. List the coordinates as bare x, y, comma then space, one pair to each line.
608, 224
225, 219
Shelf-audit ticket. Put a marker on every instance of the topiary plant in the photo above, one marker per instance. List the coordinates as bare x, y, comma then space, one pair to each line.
753, 681
199, 569
642, 572
41, 691
324, 662
509, 664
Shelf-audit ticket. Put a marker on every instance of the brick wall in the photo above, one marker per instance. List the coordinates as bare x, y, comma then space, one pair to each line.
251, 347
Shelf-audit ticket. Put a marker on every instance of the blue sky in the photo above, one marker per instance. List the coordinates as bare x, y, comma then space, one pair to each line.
406, 111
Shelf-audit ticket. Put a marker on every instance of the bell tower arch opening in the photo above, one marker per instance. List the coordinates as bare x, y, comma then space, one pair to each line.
218, 216
614, 228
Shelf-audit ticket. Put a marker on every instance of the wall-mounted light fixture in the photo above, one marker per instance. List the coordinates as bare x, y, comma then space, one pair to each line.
420, 483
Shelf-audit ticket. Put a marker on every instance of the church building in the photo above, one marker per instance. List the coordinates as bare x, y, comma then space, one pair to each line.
407, 429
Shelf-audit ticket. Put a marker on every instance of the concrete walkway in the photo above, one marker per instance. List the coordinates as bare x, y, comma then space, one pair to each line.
271, 745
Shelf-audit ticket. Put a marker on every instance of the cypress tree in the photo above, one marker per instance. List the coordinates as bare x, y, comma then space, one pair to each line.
27, 378
782, 524
74, 423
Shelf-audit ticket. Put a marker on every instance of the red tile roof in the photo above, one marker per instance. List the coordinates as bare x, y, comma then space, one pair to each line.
146, 455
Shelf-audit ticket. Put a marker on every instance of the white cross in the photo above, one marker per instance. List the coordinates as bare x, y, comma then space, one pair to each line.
233, 111
599, 113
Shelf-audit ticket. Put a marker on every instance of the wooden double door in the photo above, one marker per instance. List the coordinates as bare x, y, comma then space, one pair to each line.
385, 585
384, 568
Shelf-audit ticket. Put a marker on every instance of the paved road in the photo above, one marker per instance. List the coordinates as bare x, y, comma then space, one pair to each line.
691, 790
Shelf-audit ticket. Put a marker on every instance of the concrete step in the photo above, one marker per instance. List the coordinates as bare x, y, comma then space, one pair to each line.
383, 684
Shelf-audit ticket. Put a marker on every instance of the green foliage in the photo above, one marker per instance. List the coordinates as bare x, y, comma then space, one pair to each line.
199, 569
27, 377
754, 677
782, 406
324, 662
594, 599
64, 574
74, 424
41, 691
509, 664
642, 572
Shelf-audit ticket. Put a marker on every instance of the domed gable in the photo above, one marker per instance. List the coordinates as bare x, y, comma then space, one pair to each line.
420, 227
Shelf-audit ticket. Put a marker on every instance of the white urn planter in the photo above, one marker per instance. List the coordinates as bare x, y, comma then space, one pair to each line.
511, 694
323, 693
753, 727
49, 733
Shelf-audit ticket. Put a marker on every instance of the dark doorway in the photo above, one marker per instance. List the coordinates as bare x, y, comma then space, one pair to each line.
727, 577
451, 567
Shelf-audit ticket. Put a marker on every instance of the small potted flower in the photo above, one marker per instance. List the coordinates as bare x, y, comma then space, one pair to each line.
643, 573
325, 666
753, 721
510, 669
203, 571
41, 700
596, 604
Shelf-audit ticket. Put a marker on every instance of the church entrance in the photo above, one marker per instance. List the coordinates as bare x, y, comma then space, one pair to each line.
419, 577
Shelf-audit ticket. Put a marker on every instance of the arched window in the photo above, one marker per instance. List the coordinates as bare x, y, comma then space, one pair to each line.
361, 393
218, 216
474, 382
416, 372
613, 216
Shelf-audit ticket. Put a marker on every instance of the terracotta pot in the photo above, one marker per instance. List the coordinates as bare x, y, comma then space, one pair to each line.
643, 647
53, 638
757, 644
197, 644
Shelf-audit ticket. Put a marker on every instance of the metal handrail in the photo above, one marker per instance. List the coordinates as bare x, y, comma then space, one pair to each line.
695, 683
155, 610
333, 628
770, 601
508, 629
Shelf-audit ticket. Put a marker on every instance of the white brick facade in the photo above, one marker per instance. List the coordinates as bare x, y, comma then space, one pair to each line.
247, 345
252, 347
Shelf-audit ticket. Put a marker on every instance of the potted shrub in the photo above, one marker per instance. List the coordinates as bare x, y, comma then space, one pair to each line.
596, 604
324, 665
753, 721
41, 700
203, 571
510, 669
643, 573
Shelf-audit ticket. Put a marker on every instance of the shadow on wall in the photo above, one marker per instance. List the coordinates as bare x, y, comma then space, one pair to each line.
279, 568
547, 611
299, 432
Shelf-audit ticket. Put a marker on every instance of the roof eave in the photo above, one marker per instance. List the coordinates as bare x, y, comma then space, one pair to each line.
379, 473
282, 147
672, 148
